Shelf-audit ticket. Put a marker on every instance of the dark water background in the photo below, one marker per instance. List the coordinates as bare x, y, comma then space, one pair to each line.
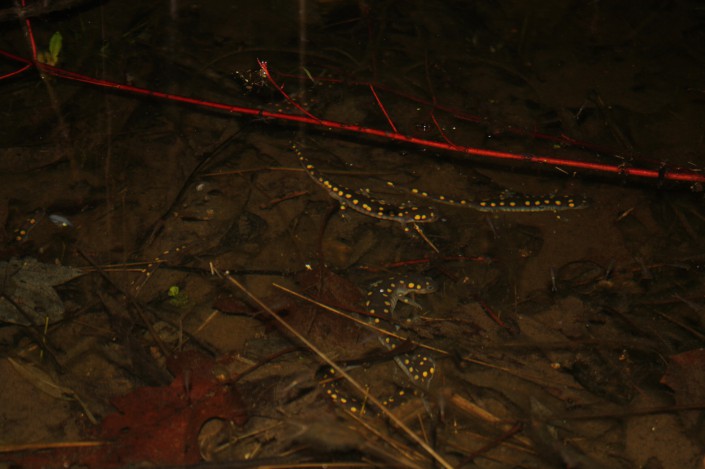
546, 317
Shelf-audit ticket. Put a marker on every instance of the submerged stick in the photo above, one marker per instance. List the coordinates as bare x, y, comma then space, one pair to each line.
338, 369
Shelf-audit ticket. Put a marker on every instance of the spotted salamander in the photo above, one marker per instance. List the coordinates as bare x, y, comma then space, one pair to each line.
404, 214
508, 201
380, 304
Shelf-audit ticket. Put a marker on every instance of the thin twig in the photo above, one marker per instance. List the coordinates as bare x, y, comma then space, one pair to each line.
359, 321
384, 110
341, 372
290, 100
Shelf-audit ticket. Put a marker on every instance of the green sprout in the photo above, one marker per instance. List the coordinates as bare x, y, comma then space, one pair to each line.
177, 297
51, 57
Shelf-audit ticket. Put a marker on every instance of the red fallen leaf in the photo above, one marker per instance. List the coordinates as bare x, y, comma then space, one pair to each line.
336, 290
686, 376
230, 305
335, 334
161, 424
158, 425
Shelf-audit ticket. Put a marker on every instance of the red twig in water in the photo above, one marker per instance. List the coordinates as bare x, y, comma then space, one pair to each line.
490, 312
440, 130
279, 200
263, 66
516, 428
384, 110
16, 72
663, 173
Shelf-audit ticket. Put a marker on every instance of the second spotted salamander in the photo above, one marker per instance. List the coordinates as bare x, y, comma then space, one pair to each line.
380, 304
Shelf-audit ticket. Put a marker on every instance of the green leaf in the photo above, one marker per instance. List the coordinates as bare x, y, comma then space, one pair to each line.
55, 47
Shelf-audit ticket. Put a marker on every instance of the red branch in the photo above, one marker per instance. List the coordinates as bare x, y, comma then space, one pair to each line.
290, 100
439, 128
384, 110
664, 173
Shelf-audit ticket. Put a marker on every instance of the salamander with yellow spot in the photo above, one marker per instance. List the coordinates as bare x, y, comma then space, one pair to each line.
355, 200
508, 201
381, 302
